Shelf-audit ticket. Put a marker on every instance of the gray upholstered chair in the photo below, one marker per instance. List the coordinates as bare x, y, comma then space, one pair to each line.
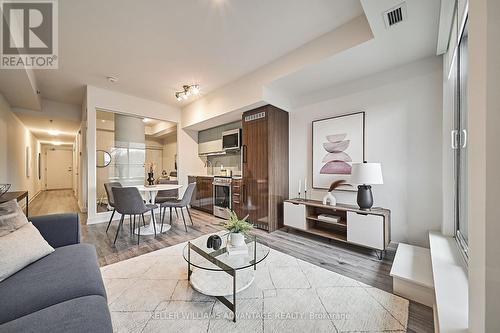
167, 195
128, 201
182, 203
111, 201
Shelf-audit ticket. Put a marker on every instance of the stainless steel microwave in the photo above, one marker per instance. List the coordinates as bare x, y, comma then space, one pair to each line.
231, 140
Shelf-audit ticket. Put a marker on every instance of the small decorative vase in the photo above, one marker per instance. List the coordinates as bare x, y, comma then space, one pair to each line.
329, 199
237, 239
151, 179
214, 242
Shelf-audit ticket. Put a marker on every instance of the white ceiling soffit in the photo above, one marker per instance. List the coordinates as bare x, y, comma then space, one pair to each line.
154, 47
251, 89
66, 120
414, 38
19, 88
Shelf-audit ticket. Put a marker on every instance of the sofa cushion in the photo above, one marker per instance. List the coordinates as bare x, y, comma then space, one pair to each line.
83, 314
11, 217
69, 272
20, 248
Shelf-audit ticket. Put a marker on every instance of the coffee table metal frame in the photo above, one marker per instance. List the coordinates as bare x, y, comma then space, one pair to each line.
223, 267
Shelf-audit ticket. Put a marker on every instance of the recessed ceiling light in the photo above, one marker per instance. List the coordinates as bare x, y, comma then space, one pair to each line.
146, 120
112, 79
53, 132
56, 143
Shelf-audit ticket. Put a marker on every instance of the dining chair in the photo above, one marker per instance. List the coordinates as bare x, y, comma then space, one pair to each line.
182, 203
111, 201
128, 201
168, 195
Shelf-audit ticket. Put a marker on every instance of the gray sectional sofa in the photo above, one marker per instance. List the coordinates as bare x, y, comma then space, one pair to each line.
62, 292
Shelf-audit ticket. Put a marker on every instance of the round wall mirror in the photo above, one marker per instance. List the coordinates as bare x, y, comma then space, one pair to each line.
103, 158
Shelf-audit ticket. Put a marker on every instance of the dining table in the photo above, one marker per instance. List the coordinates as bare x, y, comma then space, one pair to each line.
150, 192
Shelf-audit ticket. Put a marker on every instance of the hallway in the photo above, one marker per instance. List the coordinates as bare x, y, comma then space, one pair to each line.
55, 202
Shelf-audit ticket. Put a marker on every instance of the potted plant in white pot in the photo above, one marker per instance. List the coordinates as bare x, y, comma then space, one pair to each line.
237, 227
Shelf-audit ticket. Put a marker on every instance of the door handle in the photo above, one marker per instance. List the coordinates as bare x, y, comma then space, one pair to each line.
454, 139
463, 138
244, 153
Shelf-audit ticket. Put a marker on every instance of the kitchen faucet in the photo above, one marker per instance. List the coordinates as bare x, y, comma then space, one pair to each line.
209, 162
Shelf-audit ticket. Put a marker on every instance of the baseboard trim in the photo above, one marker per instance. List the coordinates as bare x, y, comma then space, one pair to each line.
34, 197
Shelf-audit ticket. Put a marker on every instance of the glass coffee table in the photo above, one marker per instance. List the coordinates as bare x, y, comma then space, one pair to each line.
220, 274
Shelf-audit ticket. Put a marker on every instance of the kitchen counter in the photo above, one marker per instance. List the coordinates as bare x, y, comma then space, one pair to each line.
212, 176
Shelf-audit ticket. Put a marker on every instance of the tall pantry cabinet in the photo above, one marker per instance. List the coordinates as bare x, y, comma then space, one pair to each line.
265, 166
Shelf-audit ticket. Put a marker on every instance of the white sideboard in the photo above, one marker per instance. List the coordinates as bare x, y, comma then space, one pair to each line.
367, 228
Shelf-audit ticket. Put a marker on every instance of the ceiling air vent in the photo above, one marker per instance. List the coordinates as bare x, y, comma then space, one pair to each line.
395, 15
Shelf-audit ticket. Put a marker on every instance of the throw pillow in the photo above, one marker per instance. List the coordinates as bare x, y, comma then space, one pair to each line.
11, 217
20, 248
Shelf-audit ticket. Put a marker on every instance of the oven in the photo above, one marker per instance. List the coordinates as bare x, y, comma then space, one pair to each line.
222, 196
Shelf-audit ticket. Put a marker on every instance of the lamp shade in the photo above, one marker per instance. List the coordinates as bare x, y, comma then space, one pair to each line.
366, 173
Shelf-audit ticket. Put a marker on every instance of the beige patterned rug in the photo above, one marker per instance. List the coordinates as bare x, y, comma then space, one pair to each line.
150, 293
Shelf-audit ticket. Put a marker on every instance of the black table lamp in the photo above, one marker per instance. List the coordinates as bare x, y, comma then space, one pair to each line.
366, 174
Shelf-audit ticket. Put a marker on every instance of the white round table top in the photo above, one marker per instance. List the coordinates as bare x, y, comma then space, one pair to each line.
158, 187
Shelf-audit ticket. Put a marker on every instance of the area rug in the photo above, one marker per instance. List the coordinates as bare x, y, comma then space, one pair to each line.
151, 293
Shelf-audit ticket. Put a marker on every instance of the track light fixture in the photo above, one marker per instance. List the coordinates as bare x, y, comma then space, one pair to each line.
187, 91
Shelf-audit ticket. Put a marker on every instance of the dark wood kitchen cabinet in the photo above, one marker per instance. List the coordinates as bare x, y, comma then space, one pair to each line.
203, 194
265, 166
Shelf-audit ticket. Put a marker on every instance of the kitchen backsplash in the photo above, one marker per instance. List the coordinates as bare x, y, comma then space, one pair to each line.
230, 162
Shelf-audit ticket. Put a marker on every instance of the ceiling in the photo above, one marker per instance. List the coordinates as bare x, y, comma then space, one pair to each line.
414, 38
154, 47
40, 125
66, 120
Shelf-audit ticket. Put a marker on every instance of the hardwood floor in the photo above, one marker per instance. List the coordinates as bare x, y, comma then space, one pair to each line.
349, 260
53, 202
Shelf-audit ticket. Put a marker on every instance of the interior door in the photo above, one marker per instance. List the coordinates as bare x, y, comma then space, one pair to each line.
59, 169
255, 168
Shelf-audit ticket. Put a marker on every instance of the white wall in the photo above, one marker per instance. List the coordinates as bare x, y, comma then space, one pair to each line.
97, 98
403, 132
14, 138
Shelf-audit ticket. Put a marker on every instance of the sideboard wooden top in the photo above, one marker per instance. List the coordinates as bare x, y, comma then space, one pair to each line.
341, 207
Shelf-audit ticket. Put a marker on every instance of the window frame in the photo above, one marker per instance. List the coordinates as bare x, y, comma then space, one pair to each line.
459, 236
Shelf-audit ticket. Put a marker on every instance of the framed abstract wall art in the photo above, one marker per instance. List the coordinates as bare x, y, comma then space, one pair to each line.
338, 142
